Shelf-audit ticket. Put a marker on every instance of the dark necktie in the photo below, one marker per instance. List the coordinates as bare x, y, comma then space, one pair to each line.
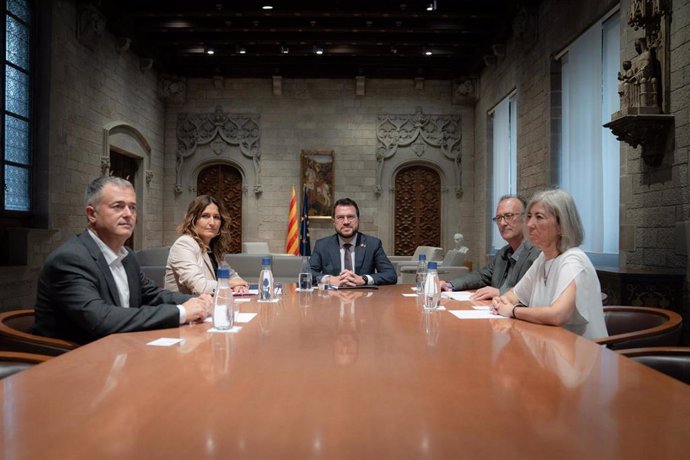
348, 257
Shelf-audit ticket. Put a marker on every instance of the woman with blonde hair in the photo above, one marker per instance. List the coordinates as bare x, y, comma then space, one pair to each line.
194, 257
561, 288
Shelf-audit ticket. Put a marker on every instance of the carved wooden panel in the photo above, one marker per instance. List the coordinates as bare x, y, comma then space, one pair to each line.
417, 209
225, 183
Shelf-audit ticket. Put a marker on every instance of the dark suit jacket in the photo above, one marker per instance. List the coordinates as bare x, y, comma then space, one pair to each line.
494, 273
78, 300
370, 259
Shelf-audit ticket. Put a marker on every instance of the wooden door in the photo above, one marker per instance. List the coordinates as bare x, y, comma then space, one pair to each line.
126, 168
225, 183
417, 209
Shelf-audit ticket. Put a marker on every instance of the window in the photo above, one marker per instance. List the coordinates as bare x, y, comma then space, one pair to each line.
15, 174
503, 123
589, 157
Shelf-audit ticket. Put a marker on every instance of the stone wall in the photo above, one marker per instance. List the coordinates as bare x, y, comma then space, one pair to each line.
94, 88
90, 88
317, 114
525, 69
654, 212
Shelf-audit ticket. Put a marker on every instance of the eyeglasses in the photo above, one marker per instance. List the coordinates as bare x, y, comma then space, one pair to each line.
343, 218
508, 217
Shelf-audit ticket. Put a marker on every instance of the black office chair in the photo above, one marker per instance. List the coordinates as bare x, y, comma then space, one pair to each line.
634, 327
16, 334
12, 362
672, 361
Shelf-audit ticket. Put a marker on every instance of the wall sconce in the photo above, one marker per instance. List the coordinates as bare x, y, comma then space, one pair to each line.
209, 51
431, 6
318, 50
284, 49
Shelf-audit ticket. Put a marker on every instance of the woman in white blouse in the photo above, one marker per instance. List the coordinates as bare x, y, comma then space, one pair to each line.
561, 288
194, 257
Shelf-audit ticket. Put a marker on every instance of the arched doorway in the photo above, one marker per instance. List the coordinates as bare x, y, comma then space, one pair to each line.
225, 183
417, 209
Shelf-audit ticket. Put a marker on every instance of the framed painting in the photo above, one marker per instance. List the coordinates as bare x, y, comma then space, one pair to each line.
317, 180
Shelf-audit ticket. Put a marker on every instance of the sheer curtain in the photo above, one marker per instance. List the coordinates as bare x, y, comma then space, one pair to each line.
590, 160
504, 159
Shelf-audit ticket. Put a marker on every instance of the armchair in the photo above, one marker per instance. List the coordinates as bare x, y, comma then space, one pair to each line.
431, 252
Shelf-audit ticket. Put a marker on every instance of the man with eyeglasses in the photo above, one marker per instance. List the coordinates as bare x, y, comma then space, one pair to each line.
350, 258
511, 261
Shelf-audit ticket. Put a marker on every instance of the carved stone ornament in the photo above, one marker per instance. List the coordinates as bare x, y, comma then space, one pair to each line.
148, 174
525, 26
243, 130
172, 88
105, 165
464, 92
419, 131
644, 80
90, 25
648, 131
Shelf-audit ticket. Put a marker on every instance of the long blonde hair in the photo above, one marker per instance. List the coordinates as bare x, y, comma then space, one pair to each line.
220, 244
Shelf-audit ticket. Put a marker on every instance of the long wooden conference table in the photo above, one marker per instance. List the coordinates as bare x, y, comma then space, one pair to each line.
346, 374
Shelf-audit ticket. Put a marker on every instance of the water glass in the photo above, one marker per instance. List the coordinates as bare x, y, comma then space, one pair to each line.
305, 282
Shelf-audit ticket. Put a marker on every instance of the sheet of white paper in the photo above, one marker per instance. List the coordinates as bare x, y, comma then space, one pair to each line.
459, 295
232, 330
242, 299
409, 295
480, 307
476, 314
249, 292
244, 317
164, 342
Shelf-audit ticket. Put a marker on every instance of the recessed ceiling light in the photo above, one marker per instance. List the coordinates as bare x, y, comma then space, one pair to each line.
267, 7
428, 52
242, 51
209, 51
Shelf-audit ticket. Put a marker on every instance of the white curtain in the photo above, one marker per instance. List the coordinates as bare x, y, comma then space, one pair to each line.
590, 168
504, 159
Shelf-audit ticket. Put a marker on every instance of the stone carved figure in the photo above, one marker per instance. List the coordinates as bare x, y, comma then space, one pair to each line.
639, 87
459, 253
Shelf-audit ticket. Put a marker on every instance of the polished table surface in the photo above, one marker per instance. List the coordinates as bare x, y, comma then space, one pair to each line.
346, 374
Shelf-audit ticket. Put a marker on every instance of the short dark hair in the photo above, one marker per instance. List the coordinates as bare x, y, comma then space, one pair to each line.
92, 197
346, 202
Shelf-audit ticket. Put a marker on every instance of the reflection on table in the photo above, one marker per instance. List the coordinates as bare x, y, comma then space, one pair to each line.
345, 374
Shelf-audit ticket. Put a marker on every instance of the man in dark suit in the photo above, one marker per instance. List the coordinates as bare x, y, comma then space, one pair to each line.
91, 286
510, 262
350, 258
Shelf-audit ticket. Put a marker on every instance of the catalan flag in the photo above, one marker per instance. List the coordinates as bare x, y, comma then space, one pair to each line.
292, 243
304, 243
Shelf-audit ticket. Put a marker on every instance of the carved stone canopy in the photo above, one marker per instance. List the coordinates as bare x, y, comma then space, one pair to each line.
217, 129
643, 118
419, 131
90, 25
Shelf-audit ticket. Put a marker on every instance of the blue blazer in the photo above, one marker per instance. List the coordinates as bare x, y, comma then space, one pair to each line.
78, 300
370, 259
